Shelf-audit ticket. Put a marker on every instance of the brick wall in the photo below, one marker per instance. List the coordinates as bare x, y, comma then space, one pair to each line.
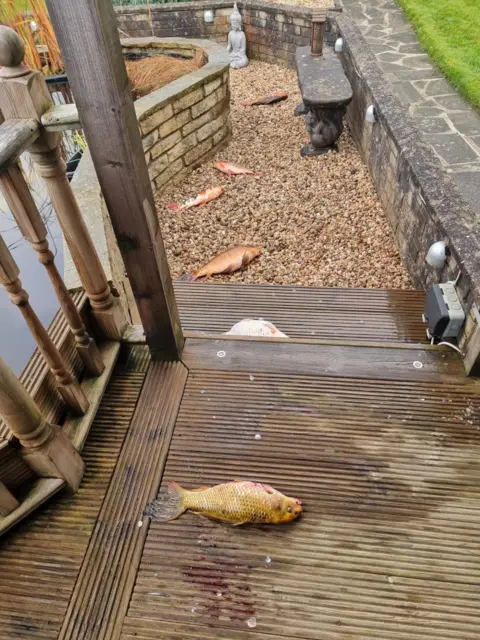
188, 120
273, 31
421, 202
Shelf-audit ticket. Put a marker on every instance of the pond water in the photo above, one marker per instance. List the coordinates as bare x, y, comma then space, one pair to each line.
16, 343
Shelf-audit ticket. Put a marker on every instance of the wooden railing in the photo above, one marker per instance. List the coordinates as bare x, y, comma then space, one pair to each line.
91, 50
43, 447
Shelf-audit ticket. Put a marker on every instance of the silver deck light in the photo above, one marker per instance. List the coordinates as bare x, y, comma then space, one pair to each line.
338, 45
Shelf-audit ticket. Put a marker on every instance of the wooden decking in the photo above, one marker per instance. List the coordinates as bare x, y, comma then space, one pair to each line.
302, 312
384, 455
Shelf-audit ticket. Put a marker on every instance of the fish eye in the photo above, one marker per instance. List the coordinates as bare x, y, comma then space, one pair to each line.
289, 509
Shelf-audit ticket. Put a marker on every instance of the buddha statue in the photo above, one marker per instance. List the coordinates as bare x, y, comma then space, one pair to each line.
237, 43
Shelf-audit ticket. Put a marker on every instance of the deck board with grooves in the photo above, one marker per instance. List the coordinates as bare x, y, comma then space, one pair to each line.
305, 312
106, 579
389, 545
41, 557
385, 457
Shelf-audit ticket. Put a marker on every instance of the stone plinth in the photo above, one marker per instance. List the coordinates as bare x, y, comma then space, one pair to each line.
326, 93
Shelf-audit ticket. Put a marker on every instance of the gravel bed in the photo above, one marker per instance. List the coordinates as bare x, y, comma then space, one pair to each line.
318, 220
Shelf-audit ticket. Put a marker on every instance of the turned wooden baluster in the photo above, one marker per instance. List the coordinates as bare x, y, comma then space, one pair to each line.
19, 199
66, 383
24, 94
46, 449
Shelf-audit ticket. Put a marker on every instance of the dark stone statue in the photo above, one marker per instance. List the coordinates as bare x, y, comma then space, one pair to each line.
326, 93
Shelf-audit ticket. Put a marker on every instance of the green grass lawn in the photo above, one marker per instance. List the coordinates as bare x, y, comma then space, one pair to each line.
450, 31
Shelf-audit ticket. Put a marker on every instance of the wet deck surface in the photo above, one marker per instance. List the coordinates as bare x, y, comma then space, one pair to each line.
386, 460
388, 547
305, 312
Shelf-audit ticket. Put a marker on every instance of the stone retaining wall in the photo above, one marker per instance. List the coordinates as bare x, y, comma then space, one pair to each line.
182, 125
273, 31
188, 120
422, 203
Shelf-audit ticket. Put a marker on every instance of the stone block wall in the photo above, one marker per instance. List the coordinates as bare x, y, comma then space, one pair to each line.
421, 201
181, 125
273, 31
188, 120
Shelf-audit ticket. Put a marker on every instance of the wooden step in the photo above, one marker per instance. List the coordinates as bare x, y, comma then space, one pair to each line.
304, 312
393, 362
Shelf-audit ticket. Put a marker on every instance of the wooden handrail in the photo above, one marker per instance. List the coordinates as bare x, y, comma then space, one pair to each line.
45, 448
24, 94
15, 137
19, 199
68, 387
61, 117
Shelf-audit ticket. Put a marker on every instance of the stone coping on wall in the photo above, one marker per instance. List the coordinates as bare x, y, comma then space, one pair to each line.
420, 199
85, 183
218, 62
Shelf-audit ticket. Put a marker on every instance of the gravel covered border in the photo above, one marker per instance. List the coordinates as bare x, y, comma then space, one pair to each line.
319, 220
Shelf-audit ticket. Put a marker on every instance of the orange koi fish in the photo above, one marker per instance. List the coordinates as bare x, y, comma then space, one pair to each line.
233, 170
278, 96
226, 262
202, 198
237, 502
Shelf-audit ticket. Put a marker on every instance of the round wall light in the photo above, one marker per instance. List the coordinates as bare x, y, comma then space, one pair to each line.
208, 15
370, 114
437, 254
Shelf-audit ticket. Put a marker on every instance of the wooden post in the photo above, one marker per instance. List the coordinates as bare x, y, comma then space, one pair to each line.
46, 449
21, 203
87, 33
68, 387
24, 94
8, 502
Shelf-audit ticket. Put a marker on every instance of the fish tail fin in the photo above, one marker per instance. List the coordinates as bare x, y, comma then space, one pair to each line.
168, 505
188, 277
174, 206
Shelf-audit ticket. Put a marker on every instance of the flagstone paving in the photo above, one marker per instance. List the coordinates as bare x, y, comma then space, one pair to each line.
445, 119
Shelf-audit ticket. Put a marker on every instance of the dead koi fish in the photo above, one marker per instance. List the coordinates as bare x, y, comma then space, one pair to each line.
226, 262
278, 96
202, 198
237, 502
233, 170
258, 327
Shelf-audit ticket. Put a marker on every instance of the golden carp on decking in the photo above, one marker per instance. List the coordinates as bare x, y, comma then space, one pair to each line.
237, 502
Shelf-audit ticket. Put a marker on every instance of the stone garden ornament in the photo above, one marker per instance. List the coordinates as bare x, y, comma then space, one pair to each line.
237, 43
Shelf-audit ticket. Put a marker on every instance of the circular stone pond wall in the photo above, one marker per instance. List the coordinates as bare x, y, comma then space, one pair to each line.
181, 124
187, 120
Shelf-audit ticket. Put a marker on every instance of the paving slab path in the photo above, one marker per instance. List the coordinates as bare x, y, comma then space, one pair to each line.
445, 119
